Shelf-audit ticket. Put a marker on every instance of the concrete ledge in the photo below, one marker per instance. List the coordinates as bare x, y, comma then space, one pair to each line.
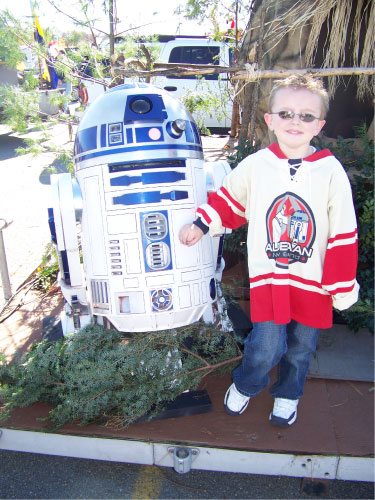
207, 458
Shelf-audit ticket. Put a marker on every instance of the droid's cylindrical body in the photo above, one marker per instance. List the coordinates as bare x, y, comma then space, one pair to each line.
139, 165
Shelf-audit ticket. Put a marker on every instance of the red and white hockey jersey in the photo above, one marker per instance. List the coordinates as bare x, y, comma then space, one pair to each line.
302, 234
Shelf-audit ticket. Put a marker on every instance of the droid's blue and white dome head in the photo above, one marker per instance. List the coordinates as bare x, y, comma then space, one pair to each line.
135, 122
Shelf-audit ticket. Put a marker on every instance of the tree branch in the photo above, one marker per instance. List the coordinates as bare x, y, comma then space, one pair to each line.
212, 367
234, 342
239, 72
268, 73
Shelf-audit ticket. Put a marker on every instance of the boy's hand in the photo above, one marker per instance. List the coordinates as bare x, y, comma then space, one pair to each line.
190, 234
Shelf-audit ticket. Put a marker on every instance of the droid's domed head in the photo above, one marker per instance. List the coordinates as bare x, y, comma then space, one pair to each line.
135, 122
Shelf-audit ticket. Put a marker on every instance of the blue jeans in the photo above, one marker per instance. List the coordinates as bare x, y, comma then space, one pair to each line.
268, 344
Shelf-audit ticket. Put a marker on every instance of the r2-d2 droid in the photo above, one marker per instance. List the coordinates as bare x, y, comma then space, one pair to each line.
299, 224
139, 177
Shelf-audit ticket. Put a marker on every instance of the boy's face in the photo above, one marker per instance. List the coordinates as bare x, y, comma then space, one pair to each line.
294, 135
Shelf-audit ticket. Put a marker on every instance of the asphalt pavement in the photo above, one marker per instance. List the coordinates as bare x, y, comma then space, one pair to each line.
32, 476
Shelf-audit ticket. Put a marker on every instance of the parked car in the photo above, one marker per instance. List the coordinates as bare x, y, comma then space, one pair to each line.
186, 50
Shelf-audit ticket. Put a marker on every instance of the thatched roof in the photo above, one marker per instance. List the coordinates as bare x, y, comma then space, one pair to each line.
361, 34
348, 24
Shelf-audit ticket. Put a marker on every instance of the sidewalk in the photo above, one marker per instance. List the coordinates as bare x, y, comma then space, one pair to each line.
24, 199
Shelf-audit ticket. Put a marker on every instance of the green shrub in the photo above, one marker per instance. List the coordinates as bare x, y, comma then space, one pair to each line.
360, 168
48, 270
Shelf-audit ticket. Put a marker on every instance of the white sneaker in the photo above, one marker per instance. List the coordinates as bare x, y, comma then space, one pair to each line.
284, 412
235, 403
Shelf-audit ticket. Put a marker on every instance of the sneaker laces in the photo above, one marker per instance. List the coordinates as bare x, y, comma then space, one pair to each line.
237, 397
284, 407
235, 402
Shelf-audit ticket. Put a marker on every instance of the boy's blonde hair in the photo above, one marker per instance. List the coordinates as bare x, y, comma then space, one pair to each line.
307, 82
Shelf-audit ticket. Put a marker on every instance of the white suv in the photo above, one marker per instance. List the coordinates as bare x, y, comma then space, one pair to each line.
198, 51
186, 50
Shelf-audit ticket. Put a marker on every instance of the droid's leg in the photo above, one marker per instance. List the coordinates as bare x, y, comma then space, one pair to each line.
63, 226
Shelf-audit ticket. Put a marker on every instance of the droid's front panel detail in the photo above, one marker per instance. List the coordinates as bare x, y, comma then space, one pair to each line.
139, 165
136, 122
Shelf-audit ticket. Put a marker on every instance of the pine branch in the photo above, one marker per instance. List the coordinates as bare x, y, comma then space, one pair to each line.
234, 342
98, 373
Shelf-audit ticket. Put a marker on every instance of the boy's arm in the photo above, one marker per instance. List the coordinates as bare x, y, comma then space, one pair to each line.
190, 234
226, 207
340, 263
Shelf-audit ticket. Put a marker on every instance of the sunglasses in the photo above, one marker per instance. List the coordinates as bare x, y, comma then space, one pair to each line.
289, 115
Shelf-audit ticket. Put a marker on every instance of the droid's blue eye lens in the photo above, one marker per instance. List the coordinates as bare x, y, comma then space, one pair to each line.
141, 106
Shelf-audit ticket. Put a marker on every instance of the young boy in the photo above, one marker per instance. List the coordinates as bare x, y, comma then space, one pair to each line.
302, 245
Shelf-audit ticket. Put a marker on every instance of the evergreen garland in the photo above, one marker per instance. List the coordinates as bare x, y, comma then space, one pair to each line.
99, 374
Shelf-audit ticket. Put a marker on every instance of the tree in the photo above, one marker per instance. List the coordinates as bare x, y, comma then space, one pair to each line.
21, 105
10, 51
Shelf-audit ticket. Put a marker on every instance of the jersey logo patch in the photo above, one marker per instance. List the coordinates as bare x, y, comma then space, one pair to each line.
290, 230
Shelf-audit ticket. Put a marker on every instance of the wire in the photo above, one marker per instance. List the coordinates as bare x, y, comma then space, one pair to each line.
30, 285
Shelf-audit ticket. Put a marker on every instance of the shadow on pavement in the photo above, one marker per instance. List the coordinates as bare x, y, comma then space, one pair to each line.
57, 167
8, 145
